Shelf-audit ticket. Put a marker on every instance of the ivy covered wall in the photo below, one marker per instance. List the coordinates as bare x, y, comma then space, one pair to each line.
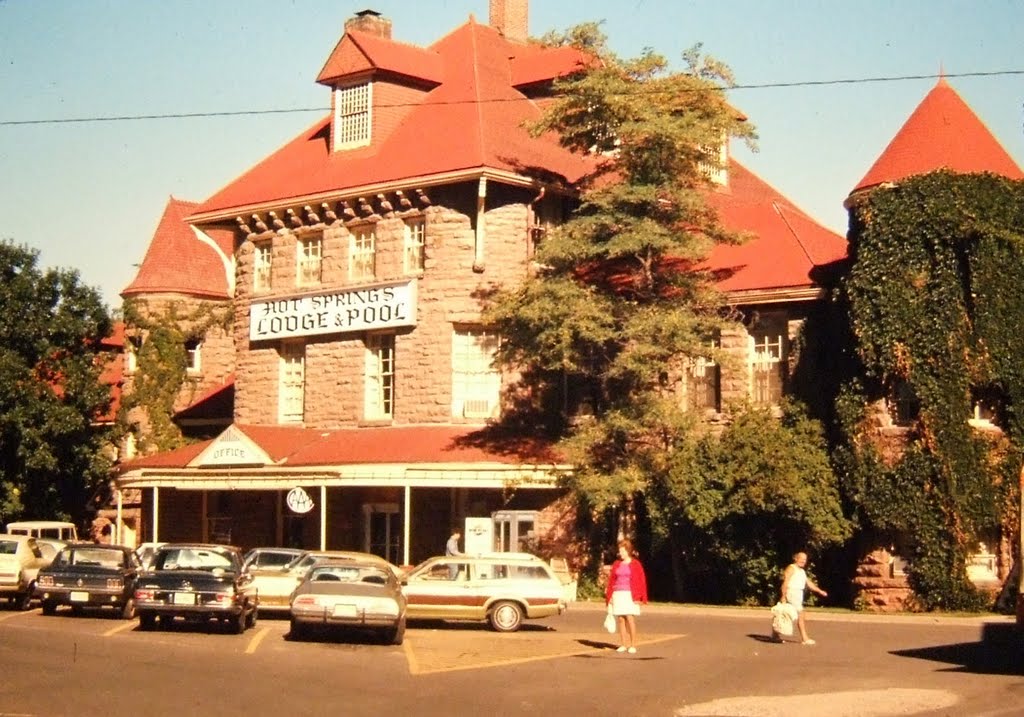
936, 318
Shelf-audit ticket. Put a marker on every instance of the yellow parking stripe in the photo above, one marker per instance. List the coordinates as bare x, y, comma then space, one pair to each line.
256, 640
126, 625
415, 667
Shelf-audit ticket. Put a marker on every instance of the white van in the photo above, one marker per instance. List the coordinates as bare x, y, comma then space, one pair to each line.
54, 529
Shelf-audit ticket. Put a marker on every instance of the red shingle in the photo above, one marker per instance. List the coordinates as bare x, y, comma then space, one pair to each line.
942, 133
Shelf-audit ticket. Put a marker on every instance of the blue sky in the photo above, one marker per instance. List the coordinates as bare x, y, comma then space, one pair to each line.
88, 195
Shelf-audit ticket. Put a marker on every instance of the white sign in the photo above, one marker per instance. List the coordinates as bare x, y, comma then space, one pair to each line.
479, 535
378, 307
298, 500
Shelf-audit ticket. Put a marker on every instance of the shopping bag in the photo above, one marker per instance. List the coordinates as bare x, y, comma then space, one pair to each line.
783, 615
609, 622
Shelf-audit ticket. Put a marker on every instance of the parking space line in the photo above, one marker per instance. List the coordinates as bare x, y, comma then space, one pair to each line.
416, 669
256, 640
127, 624
17, 613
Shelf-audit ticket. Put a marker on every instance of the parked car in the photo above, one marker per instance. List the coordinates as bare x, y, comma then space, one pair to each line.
49, 547
349, 593
501, 588
59, 529
270, 558
20, 562
198, 582
85, 575
145, 552
276, 585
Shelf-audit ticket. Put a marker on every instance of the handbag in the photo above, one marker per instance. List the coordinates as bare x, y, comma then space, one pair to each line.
783, 615
609, 622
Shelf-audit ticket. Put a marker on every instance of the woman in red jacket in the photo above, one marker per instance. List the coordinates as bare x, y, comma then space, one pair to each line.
626, 591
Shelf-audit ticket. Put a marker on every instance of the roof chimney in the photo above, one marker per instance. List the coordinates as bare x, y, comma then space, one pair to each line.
371, 22
511, 18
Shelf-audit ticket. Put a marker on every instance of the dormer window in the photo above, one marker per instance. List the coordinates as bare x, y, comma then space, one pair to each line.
352, 115
714, 167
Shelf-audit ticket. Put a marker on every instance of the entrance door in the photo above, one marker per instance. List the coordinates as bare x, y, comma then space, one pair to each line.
383, 531
513, 531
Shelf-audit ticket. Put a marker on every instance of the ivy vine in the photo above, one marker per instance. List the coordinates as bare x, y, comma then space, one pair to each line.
935, 309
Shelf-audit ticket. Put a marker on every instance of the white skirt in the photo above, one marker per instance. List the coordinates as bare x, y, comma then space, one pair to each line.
622, 603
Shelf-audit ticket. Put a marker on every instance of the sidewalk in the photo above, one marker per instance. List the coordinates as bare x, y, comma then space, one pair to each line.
819, 614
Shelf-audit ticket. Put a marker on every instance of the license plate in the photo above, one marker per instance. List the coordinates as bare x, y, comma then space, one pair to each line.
344, 611
184, 599
77, 596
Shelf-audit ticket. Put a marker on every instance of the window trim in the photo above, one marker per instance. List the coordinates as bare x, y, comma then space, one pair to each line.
470, 382
414, 244
291, 351
359, 255
308, 262
379, 376
352, 121
262, 266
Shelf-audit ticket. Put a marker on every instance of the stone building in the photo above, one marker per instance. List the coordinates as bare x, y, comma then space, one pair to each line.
354, 259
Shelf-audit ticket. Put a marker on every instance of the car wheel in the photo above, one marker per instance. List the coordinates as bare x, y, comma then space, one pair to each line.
506, 616
396, 635
49, 607
23, 601
128, 609
76, 610
296, 630
147, 620
237, 623
251, 620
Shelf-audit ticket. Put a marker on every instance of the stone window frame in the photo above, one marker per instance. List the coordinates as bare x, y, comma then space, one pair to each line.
414, 244
379, 376
193, 355
476, 381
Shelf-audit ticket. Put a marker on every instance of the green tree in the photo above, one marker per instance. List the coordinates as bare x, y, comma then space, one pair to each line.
51, 327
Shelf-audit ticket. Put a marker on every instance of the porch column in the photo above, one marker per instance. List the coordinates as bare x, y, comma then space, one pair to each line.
156, 514
407, 511
204, 504
323, 517
120, 518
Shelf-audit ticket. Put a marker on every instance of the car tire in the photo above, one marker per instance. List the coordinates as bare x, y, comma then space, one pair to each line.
237, 623
49, 607
396, 635
147, 621
296, 630
128, 609
23, 601
506, 616
250, 621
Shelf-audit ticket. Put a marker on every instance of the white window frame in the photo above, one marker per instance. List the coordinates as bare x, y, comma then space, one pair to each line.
414, 243
379, 377
362, 252
353, 115
309, 252
261, 262
132, 348
292, 382
767, 353
476, 382
699, 372
193, 355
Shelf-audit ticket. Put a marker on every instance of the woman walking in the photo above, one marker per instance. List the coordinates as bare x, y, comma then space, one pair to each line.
626, 591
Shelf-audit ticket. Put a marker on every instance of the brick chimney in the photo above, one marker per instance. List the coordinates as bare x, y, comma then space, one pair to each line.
511, 18
371, 22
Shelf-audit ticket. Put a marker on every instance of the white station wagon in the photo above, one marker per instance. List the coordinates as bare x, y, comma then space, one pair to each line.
501, 588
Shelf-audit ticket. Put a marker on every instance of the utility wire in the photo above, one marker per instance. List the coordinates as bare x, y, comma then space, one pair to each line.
761, 86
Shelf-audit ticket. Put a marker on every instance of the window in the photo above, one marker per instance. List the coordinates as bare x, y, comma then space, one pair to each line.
415, 232
192, 357
261, 266
514, 531
132, 347
701, 393
292, 383
380, 376
309, 252
476, 383
715, 166
362, 258
352, 116
766, 369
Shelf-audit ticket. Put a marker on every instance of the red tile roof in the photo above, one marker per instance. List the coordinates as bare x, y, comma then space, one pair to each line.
476, 96
216, 403
178, 261
786, 244
359, 51
112, 371
298, 446
942, 133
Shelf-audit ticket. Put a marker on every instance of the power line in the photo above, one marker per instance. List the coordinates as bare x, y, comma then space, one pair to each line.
760, 86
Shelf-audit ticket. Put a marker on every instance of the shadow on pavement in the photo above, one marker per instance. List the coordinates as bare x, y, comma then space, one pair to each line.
999, 652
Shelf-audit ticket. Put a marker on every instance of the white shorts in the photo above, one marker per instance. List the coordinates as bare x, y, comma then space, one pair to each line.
622, 603
796, 600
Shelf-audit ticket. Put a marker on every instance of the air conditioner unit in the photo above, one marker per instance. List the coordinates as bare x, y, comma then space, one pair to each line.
476, 408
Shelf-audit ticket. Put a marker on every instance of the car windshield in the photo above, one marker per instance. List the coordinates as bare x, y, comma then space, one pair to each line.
345, 573
96, 557
8, 547
192, 558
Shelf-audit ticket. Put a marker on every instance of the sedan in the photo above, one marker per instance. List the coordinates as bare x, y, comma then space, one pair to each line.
349, 593
199, 582
90, 576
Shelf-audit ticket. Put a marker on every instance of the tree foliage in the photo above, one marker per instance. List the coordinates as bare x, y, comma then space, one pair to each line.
51, 327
